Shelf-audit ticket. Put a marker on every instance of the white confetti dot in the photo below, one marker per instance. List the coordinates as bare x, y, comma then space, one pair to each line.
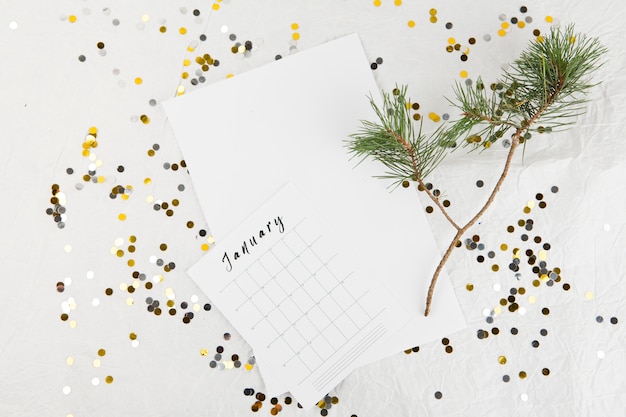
67, 390
67, 281
524, 397
224, 29
95, 302
497, 287
522, 311
486, 312
95, 381
135, 343
13, 25
89, 274
600, 354
67, 248
607, 227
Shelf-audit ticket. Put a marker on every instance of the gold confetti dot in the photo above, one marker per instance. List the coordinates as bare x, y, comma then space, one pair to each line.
144, 119
294, 26
121, 216
411, 23
502, 360
162, 29
521, 24
505, 25
72, 18
432, 12
504, 247
463, 74
102, 352
469, 287
434, 117
295, 36
138, 80
549, 19
204, 247
215, 6
182, 30
495, 268
397, 2
147, 181
522, 374
108, 379
433, 19
131, 262
377, 3
501, 32
132, 336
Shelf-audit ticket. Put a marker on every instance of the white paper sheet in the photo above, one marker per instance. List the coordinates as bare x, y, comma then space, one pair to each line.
288, 121
280, 280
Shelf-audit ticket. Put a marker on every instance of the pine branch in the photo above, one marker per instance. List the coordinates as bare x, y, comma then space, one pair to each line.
545, 88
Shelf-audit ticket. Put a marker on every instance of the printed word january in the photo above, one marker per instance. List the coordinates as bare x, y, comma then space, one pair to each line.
271, 226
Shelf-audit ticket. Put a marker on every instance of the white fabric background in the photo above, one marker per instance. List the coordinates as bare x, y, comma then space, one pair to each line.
50, 99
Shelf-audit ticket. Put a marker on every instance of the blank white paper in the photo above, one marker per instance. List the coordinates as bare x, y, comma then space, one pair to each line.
244, 137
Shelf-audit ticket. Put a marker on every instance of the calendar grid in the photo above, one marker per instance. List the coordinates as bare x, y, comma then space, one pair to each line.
313, 327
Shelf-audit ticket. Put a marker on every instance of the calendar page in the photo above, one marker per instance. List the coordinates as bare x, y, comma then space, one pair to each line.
281, 279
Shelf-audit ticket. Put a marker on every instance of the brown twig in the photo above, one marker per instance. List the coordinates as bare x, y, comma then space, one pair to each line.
515, 141
411, 151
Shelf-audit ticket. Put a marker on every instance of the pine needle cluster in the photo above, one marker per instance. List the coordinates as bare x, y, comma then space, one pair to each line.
543, 90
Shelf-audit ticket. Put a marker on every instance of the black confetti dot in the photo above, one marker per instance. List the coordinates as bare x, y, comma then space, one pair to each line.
438, 395
614, 320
